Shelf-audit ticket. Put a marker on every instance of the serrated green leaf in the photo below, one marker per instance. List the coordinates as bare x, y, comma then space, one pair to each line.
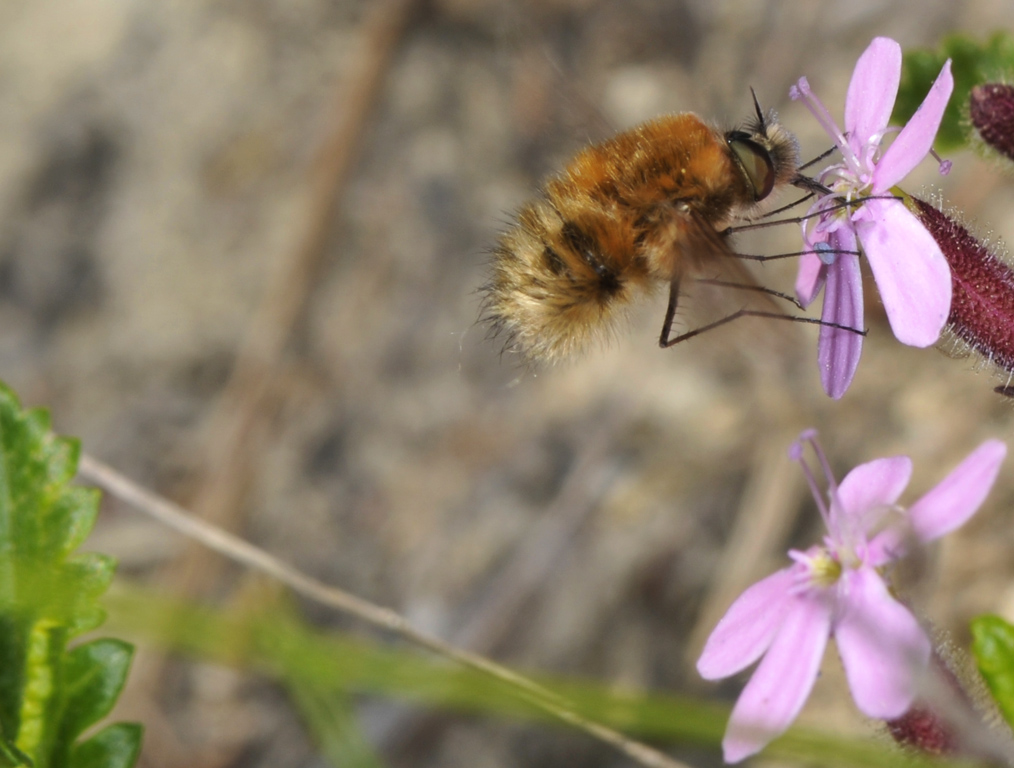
40, 690
993, 649
49, 594
114, 747
973, 62
79, 506
41, 515
92, 574
94, 674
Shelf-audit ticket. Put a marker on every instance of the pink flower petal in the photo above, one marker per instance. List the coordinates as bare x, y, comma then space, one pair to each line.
783, 680
747, 628
912, 275
957, 497
872, 91
866, 497
810, 279
882, 646
890, 544
946, 507
838, 350
872, 486
916, 138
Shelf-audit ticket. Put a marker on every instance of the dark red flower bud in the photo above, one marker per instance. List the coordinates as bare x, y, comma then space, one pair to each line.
991, 108
982, 303
946, 721
922, 730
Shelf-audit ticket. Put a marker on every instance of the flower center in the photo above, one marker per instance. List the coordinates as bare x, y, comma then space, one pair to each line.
833, 211
825, 570
817, 568
848, 182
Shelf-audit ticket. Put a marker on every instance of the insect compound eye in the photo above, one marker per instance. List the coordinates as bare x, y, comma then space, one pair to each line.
755, 161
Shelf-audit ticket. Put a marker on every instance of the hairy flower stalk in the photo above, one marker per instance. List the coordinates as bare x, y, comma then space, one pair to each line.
982, 303
944, 720
948, 719
923, 730
991, 112
837, 589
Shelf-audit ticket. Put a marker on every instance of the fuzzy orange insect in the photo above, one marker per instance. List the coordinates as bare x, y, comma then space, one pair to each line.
648, 206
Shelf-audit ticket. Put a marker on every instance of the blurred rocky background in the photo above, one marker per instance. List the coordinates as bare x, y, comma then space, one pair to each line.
240, 244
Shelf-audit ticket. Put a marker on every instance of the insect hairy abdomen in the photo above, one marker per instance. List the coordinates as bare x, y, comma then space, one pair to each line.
557, 282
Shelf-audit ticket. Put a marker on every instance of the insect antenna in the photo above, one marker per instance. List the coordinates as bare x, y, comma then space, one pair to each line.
762, 126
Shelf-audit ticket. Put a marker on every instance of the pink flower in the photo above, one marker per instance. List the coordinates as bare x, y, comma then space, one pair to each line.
911, 272
836, 589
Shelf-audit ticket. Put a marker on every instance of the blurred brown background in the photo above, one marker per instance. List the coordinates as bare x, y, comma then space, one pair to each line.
177, 286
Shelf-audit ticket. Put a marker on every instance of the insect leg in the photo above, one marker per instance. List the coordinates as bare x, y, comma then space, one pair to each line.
670, 314
841, 204
756, 313
758, 288
792, 255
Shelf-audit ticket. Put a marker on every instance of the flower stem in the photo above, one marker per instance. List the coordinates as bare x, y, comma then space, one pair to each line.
982, 304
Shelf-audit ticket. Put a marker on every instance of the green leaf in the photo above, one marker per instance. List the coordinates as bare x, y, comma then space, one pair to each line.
75, 511
43, 519
40, 690
48, 595
94, 675
972, 63
12, 757
993, 648
92, 574
114, 747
